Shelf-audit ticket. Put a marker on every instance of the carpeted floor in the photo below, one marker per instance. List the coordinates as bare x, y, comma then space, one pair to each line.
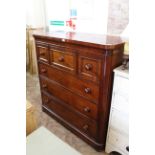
33, 95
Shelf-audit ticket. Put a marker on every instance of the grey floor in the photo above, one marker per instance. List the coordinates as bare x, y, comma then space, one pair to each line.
33, 95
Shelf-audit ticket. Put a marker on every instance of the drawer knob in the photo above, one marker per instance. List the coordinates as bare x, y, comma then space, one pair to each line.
61, 59
44, 85
87, 109
85, 127
88, 67
127, 148
42, 53
43, 70
87, 90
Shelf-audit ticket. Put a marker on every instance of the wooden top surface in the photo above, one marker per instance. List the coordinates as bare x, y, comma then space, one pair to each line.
93, 40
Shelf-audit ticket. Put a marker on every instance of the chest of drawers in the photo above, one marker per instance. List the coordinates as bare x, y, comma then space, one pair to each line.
75, 72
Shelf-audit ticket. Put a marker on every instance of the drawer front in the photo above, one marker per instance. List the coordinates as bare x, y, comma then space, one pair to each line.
42, 52
81, 123
89, 68
118, 140
119, 121
85, 89
63, 59
84, 106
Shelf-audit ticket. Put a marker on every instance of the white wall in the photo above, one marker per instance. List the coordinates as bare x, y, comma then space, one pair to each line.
35, 13
57, 9
97, 23
92, 15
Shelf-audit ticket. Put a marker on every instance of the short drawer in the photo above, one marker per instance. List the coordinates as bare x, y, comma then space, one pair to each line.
118, 140
63, 59
89, 68
42, 52
82, 105
119, 121
86, 89
83, 124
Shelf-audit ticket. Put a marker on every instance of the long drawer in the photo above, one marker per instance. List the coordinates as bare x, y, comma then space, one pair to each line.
83, 88
83, 105
87, 126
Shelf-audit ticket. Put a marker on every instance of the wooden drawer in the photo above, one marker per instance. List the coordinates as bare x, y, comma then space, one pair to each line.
42, 52
118, 140
85, 89
84, 106
74, 119
89, 68
63, 59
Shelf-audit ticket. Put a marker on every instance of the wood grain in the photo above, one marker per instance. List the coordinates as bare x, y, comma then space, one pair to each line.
76, 81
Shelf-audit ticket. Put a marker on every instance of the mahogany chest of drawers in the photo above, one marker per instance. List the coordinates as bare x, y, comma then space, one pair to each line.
75, 72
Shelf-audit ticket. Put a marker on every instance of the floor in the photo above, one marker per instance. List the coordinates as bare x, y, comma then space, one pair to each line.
33, 95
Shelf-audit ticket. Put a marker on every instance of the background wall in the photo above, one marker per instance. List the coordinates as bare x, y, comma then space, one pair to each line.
118, 16
93, 16
35, 13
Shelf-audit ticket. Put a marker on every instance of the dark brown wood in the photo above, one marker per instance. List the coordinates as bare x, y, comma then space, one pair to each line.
42, 52
89, 68
72, 117
92, 40
72, 99
63, 59
71, 82
91, 141
75, 72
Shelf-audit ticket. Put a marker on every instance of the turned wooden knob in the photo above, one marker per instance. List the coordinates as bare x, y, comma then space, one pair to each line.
85, 127
61, 59
88, 66
87, 90
87, 109
43, 70
44, 85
